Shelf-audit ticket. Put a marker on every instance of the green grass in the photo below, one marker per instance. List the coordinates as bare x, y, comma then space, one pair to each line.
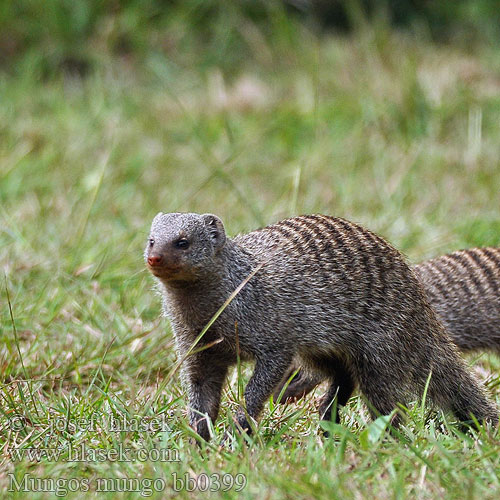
381, 128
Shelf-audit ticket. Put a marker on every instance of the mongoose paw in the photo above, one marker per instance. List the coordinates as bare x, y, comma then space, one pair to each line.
227, 441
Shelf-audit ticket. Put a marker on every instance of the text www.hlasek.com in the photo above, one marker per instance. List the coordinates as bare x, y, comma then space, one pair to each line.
83, 453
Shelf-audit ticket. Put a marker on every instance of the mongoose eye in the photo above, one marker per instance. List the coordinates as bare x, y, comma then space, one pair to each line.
151, 242
182, 243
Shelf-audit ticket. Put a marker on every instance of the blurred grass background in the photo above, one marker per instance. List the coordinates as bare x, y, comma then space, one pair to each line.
386, 113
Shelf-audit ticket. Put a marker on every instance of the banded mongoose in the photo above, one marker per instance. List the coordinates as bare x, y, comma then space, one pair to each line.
463, 288
326, 292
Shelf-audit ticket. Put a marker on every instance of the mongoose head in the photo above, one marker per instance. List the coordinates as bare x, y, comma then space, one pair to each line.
183, 247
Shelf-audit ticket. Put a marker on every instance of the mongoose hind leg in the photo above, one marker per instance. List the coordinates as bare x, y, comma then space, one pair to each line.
339, 391
382, 392
303, 383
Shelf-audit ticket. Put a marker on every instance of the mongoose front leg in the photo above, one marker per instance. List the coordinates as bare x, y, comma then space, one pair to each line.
204, 381
269, 371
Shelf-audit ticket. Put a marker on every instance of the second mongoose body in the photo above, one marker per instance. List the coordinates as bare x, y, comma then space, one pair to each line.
464, 289
321, 290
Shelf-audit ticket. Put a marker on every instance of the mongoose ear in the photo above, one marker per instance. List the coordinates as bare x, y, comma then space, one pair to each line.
216, 229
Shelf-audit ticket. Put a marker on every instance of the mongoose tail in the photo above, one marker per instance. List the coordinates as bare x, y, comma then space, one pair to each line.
328, 293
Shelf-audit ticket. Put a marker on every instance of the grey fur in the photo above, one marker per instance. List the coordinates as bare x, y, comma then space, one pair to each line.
329, 294
464, 290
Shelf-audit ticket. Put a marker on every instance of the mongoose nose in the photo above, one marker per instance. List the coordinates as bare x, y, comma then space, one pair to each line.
154, 260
